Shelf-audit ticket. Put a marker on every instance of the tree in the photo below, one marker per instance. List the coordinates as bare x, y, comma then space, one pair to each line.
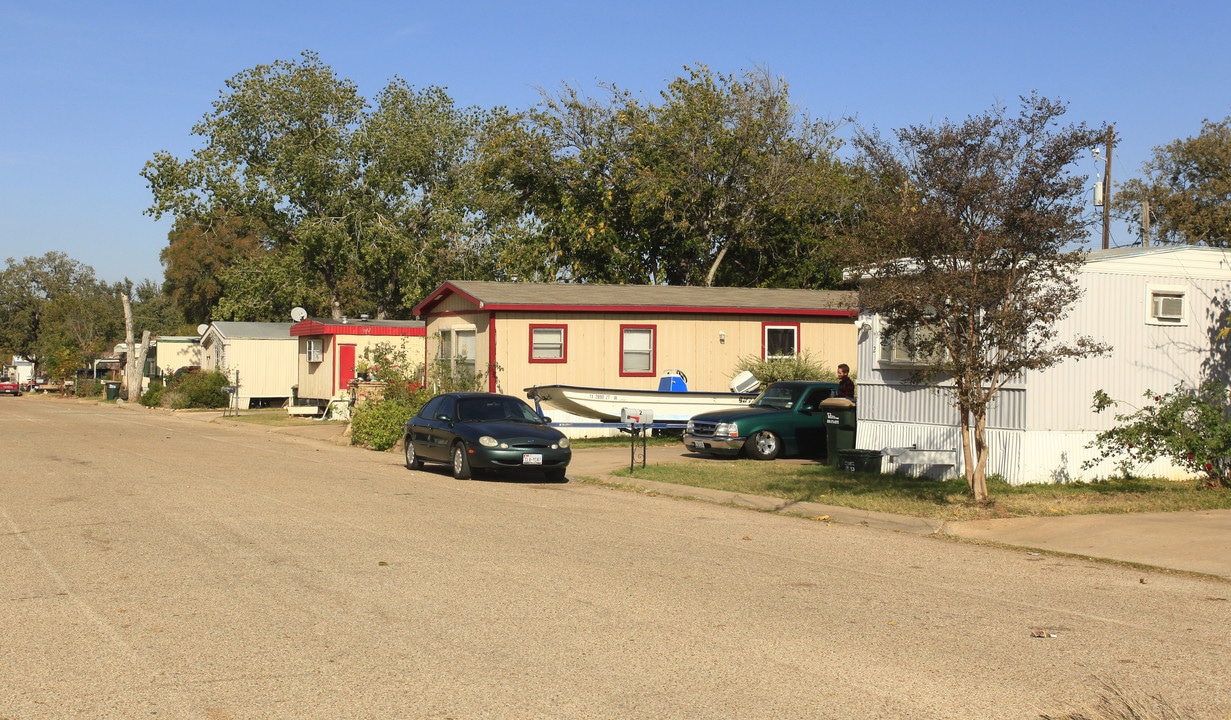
278, 152
198, 251
134, 366
50, 302
962, 253
721, 182
373, 205
1187, 184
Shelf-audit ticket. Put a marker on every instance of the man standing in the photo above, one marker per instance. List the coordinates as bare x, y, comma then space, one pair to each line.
846, 386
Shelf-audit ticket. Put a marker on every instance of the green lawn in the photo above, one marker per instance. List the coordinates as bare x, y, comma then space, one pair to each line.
947, 500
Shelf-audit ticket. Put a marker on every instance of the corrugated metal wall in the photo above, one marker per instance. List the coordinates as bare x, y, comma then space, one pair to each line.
1040, 426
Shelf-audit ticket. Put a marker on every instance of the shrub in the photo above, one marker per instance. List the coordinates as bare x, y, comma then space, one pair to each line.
154, 395
379, 424
796, 367
86, 387
199, 390
1191, 427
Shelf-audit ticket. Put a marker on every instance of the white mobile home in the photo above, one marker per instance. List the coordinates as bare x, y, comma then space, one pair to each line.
259, 357
1161, 310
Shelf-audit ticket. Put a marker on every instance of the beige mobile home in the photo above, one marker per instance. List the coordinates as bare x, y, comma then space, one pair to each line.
1161, 309
627, 336
258, 357
175, 352
328, 351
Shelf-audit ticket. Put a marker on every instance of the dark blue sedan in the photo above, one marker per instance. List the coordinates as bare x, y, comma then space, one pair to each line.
485, 431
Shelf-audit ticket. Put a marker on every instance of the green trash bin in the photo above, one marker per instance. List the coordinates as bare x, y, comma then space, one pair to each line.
864, 461
839, 428
113, 390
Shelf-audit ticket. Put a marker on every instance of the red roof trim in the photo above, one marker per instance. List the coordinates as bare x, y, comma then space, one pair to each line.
439, 294
679, 309
358, 328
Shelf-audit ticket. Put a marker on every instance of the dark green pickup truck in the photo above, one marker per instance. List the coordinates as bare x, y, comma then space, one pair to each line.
785, 419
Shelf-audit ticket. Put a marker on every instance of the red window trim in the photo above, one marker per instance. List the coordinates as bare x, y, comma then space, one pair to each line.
767, 325
563, 340
653, 350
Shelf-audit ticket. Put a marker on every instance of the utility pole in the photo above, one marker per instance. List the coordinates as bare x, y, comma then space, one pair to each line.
1111, 137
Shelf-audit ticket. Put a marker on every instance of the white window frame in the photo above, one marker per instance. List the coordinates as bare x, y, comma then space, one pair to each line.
794, 328
892, 350
449, 345
314, 348
1155, 294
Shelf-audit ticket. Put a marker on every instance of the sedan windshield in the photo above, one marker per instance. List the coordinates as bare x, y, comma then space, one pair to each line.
778, 396
483, 409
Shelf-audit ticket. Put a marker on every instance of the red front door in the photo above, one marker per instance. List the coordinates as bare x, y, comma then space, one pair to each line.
346, 365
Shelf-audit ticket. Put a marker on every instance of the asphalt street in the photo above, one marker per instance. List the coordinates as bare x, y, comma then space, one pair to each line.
160, 565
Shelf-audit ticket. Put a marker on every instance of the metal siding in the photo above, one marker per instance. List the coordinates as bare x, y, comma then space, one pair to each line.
266, 367
315, 379
1144, 356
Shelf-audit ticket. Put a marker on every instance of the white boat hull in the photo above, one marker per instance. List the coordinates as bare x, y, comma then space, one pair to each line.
607, 404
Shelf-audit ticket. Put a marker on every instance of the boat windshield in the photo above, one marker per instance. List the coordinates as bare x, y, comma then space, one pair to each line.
778, 396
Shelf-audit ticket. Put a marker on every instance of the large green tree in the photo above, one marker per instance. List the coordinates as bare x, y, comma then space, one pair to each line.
721, 181
374, 205
198, 253
53, 301
963, 253
1187, 184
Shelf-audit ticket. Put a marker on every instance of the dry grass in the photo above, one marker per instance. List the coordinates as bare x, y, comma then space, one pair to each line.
948, 500
1116, 704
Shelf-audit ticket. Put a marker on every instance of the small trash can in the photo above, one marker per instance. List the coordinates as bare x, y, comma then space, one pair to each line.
839, 428
112, 390
864, 461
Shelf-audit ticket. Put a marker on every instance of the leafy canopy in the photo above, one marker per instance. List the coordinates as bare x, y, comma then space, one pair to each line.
963, 252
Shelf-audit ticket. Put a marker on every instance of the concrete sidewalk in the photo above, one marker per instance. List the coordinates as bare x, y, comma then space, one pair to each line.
1188, 541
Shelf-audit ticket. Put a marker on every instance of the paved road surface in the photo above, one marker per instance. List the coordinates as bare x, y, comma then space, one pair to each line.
156, 566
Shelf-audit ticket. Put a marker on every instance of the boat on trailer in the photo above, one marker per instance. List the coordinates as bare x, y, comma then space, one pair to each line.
672, 402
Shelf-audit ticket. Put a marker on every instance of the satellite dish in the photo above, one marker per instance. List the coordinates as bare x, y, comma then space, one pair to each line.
298, 313
202, 328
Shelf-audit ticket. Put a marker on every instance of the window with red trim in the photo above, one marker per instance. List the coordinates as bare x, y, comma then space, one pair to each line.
638, 350
548, 343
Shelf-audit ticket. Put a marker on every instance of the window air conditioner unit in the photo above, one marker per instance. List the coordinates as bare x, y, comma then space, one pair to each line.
1168, 307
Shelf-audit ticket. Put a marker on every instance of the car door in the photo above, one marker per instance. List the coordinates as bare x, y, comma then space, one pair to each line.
810, 423
440, 428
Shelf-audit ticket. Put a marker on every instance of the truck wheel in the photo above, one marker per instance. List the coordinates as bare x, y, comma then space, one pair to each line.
763, 445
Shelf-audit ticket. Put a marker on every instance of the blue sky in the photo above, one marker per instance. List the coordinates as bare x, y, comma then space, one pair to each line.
91, 90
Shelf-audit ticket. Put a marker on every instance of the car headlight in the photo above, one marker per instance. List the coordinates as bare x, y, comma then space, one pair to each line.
726, 430
689, 428
488, 441
563, 443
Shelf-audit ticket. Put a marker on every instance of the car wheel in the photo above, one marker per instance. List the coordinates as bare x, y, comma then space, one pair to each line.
461, 463
763, 445
554, 475
412, 460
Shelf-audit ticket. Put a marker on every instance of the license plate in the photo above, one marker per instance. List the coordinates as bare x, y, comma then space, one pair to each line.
531, 459
698, 446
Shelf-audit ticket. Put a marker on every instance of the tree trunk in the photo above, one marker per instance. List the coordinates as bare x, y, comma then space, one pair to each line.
979, 480
968, 458
134, 367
